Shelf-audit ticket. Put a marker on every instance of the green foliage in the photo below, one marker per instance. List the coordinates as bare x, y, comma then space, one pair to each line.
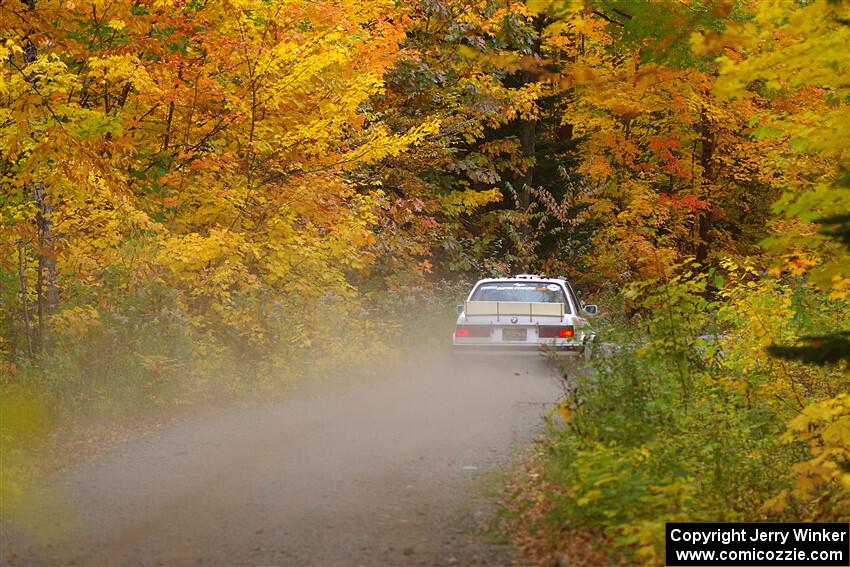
661, 28
825, 349
682, 417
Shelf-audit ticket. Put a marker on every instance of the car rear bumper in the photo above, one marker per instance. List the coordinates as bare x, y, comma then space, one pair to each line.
517, 350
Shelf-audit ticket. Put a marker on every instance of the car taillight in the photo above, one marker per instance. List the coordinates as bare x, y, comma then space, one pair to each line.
556, 332
473, 331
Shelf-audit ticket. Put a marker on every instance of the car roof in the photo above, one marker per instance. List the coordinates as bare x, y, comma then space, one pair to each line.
522, 278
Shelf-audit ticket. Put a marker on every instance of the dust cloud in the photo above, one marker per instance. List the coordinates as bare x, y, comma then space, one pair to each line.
377, 470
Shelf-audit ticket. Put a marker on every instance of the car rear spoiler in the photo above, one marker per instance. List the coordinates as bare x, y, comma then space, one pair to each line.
528, 308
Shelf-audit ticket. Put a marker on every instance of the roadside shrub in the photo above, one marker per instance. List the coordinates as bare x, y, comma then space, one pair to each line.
683, 417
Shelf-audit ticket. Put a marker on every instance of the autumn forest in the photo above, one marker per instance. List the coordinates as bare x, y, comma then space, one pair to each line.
196, 195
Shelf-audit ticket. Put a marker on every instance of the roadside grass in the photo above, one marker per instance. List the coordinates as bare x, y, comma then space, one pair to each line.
490, 486
672, 425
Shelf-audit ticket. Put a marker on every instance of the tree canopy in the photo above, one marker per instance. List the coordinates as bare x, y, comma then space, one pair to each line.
191, 182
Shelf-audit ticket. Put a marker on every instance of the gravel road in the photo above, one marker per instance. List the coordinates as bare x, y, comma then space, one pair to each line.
380, 471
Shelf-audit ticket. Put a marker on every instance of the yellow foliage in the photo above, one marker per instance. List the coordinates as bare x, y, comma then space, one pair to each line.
825, 427
467, 201
76, 321
25, 418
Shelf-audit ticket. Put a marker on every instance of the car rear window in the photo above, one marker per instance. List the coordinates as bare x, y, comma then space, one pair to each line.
534, 292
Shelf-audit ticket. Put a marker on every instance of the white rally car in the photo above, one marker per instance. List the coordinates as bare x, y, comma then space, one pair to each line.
524, 314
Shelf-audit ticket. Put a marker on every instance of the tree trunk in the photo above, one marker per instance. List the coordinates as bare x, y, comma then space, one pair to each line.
528, 128
24, 300
47, 294
527, 138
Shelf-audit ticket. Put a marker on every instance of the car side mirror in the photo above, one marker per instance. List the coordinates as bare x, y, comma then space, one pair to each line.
459, 307
591, 309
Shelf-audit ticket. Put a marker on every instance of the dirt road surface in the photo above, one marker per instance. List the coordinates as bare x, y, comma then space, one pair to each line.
384, 471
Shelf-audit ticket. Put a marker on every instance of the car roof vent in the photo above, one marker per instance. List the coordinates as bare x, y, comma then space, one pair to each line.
527, 277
